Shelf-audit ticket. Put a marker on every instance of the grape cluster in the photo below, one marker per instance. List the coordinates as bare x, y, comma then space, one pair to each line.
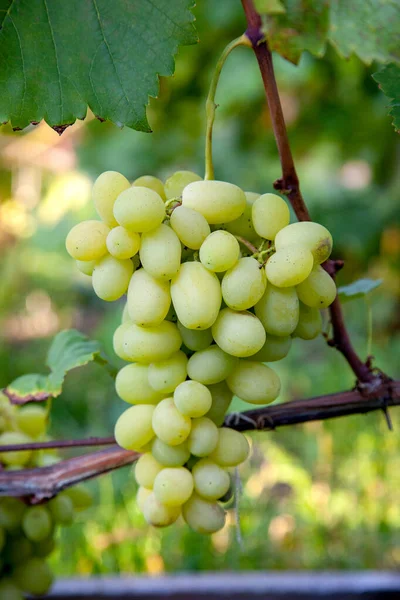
218, 283
27, 532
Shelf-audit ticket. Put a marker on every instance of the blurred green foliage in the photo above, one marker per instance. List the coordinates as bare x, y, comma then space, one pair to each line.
321, 496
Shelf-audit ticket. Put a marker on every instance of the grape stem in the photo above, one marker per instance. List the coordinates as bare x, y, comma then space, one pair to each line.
210, 102
248, 244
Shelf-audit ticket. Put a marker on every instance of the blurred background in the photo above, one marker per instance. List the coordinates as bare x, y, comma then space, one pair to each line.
319, 496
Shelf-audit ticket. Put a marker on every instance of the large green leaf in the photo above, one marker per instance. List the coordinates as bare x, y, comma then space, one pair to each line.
389, 82
59, 56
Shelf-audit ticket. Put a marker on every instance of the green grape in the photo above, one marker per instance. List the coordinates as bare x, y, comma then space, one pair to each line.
34, 576
196, 295
254, 382
15, 458
160, 252
45, 547
87, 240
221, 399
9, 591
139, 209
132, 385
170, 456
310, 323
62, 509
203, 437
118, 340
37, 523
175, 184
32, 420
275, 348
244, 284
318, 290
219, 251
149, 299
278, 310
141, 497
107, 187
190, 226
18, 549
165, 375
86, 266
243, 225
133, 429
313, 236
146, 470
270, 214
122, 243
192, 399
81, 497
11, 513
173, 486
203, 516
111, 277
149, 181
195, 339
232, 448
217, 201
238, 333
210, 480
289, 266
149, 344
169, 424
157, 514
211, 365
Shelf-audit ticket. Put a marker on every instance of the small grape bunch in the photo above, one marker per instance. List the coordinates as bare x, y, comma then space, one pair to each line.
218, 283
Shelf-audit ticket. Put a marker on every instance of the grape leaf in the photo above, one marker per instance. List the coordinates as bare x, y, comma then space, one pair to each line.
69, 349
58, 57
389, 82
357, 289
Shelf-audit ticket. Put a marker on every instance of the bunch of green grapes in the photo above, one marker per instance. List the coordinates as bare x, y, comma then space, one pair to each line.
27, 533
203, 316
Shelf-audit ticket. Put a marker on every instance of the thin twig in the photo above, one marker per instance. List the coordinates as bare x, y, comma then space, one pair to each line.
92, 441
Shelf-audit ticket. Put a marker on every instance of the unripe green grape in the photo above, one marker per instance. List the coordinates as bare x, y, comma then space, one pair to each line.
219, 251
148, 299
15, 458
195, 339
10, 591
238, 333
62, 509
217, 201
133, 429
37, 523
270, 214
278, 310
12, 511
149, 181
310, 323
196, 295
318, 290
86, 266
313, 236
202, 515
45, 547
243, 225
158, 514
203, 437
141, 497
169, 424
289, 266
34, 576
244, 284
210, 480
221, 399
81, 497
122, 243
165, 375
118, 339
110, 278
32, 420
190, 226
18, 549
146, 470
87, 240
254, 382
211, 365
149, 344
160, 252
232, 448
176, 183
107, 187
275, 348
139, 209
173, 486
170, 456
192, 399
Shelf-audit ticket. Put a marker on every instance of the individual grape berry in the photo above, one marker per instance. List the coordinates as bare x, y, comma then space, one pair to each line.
173, 486
107, 187
17, 458
170, 456
275, 348
203, 437
220, 251
37, 523
278, 310
270, 214
165, 375
192, 399
62, 509
111, 277
87, 240
202, 515
211, 365
238, 333
244, 284
176, 183
158, 514
149, 181
210, 480
243, 225
139, 209
195, 339
221, 399
34, 576
141, 497
169, 424
310, 323
232, 448
122, 243
254, 382
160, 252
146, 470
134, 429
217, 201
132, 385
318, 290
86, 266
289, 266
149, 299
32, 420
313, 236
147, 344
190, 226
